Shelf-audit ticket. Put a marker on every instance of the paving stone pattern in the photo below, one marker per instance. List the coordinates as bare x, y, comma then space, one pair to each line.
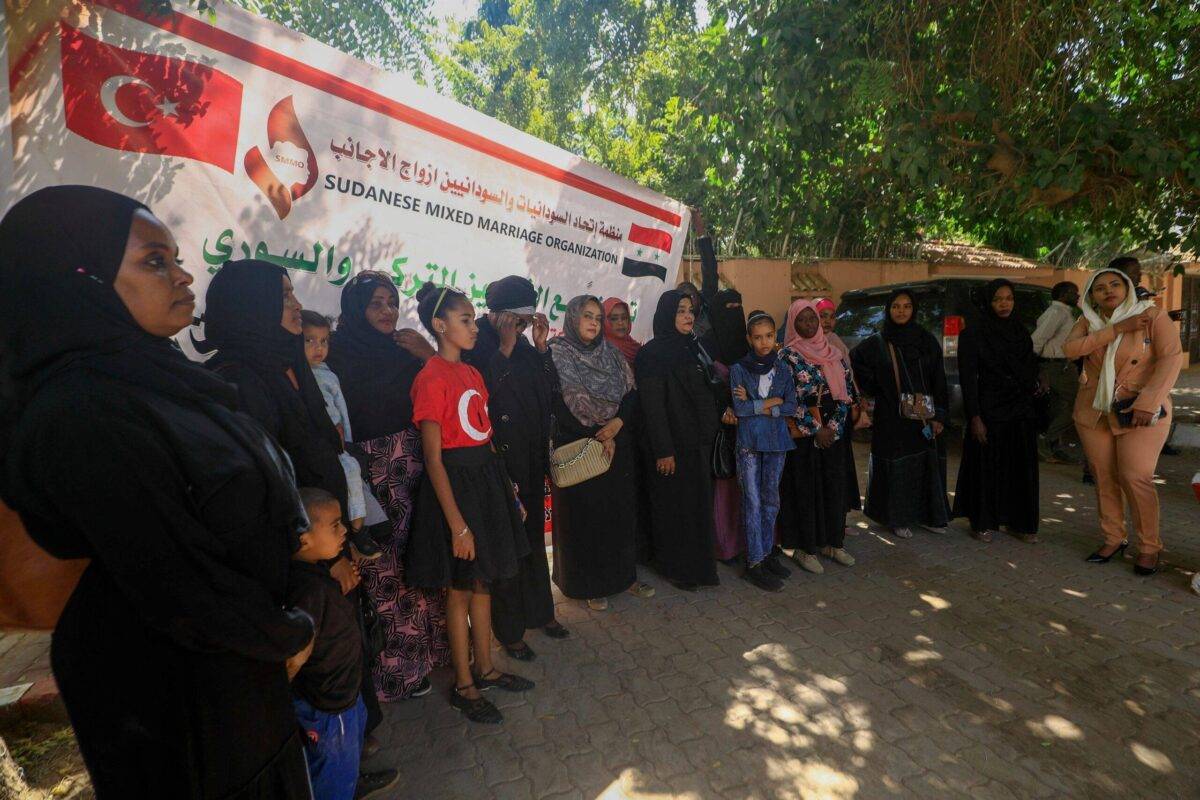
937, 667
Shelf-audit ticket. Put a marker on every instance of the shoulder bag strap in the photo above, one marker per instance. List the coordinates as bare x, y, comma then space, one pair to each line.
895, 369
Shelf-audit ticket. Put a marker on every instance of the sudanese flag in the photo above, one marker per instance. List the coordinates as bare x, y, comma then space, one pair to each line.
149, 103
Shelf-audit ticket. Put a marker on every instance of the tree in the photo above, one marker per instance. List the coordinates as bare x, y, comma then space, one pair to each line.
393, 34
1020, 123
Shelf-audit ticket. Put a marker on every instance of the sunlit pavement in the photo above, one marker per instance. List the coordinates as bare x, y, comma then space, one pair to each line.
937, 667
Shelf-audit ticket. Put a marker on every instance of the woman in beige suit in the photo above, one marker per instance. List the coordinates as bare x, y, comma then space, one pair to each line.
1132, 356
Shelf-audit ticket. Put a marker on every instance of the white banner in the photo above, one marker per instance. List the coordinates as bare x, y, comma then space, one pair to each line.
249, 140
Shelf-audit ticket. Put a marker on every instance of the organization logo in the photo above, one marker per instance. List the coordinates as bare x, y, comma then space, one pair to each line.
288, 170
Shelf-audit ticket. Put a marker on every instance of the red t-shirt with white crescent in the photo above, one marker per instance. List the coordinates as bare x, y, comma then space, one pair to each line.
453, 395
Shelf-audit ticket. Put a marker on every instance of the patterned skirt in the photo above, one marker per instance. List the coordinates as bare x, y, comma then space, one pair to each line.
414, 619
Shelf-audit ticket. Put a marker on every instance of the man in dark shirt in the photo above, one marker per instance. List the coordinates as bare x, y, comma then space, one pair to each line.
327, 675
520, 378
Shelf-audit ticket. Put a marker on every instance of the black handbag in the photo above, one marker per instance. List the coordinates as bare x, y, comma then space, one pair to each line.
724, 453
1124, 411
374, 632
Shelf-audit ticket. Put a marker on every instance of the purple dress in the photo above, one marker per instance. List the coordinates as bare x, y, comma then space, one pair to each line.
414, 619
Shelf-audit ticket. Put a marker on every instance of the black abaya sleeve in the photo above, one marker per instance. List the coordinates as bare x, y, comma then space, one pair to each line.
653, 392
111, 478
937, 382
627, 411
968, 372
864, 362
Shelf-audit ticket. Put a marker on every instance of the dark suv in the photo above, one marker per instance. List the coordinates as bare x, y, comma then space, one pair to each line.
944, 307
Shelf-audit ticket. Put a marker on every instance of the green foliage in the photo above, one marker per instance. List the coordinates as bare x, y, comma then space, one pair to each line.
1015, 122
394, 34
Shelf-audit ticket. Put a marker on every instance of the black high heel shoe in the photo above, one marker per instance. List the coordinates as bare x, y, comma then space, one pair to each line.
1096, 558
1138, 569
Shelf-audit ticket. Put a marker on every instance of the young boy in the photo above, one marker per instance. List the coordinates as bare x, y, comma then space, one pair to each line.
363, 508
764, 396
327, 674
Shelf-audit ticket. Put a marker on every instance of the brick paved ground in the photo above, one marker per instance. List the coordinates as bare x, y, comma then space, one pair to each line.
937, 667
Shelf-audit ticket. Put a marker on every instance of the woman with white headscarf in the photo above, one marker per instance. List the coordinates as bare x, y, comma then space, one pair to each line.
1131, 358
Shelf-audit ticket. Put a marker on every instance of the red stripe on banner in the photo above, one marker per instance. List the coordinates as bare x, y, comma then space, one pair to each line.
222, 41
651, 237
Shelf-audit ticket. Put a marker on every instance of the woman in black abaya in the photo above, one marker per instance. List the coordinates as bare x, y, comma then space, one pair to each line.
998, 474
170, 653
906, 482
594, 524
252, 319
681, 418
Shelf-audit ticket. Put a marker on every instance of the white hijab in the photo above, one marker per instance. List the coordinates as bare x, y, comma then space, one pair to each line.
1131, 306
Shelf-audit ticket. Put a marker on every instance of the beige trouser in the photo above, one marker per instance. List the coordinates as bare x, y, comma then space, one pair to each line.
1125, 464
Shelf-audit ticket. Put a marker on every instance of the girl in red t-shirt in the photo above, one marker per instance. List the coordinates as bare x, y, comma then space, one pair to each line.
468, 530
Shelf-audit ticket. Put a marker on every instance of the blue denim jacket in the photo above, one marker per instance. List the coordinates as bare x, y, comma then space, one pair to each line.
764, 433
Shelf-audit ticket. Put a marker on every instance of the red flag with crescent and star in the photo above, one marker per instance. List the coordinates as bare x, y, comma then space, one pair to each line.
149, 103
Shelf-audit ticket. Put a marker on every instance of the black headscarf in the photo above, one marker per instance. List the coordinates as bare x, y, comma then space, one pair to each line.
1005, 339
60, 251
729, 325
910, 337
376, 374
669, 348
242, 312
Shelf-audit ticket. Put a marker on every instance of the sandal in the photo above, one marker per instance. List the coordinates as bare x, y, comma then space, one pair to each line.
503, 680
642, 590
598, 604
983, 536
477, 710
520, 651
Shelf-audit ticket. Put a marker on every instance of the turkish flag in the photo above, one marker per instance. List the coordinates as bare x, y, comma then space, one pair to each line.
149, 103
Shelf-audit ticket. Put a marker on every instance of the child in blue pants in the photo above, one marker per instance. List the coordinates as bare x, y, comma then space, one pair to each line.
326, 676
764, 396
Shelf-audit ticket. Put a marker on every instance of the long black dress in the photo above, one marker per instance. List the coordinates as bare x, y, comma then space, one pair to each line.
998, 481
170, 653
519, 389
906, 482
595, 522
680, 419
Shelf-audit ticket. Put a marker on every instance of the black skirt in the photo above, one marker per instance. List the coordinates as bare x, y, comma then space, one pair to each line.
812, 512
998, 482
595, 550
907, 490
483, 493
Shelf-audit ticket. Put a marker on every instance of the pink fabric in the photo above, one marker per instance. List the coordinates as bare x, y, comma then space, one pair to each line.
824, 303
818, 350
628, 345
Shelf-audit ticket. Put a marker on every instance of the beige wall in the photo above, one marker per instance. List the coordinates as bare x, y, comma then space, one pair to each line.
765, 283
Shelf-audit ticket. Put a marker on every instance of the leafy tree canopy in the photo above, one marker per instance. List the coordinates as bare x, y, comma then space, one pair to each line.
1020, 123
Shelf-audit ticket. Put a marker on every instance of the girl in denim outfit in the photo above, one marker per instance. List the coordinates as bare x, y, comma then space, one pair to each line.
764, 396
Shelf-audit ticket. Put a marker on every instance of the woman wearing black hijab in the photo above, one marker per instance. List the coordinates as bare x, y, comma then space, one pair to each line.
998, 474
906, 484
377, 375
681, 417
170, 653
252, 320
